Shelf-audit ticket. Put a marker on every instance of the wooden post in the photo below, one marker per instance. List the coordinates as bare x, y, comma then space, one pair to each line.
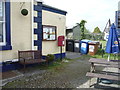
61, 53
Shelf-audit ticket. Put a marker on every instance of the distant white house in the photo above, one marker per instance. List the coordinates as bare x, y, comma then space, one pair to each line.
106, 30
119, 5
117, 20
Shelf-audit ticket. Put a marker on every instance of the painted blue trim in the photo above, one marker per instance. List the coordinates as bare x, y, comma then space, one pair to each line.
52, 9
39, 36
57, 56
8, 36
48, 8
43, 57
7, 27
35, 31
40, 14
39, 26
12, 66
38, 20
37, 8
7, 47
15, 66
36, 43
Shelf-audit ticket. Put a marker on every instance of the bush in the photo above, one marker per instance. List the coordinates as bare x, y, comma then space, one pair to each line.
100, 52
50, 57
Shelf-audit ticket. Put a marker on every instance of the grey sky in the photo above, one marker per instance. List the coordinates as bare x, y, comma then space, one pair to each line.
95, 12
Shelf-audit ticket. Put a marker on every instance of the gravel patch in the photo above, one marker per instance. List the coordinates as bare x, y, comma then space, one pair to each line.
71, 74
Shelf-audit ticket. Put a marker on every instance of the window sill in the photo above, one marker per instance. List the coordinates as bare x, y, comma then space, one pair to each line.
7, 47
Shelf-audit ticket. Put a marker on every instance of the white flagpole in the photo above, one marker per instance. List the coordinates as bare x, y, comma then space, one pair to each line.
109, 57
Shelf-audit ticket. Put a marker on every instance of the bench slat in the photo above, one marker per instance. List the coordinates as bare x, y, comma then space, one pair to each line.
30, 57
106, 65
32, 61
103, 61
105, 76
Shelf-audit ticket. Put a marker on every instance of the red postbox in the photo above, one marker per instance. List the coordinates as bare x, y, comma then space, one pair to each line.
61, 41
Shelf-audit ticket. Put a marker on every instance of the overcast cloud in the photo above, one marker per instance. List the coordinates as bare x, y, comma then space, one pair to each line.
95, 12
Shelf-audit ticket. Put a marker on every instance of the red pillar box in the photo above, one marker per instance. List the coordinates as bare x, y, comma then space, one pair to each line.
61, 41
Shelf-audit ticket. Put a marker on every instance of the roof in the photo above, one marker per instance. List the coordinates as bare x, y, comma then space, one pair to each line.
73, 27
68, 31
53, 9
107, 30
76, 26
107, 27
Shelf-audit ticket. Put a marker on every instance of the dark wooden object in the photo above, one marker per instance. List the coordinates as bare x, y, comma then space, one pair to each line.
104, 63
30, 57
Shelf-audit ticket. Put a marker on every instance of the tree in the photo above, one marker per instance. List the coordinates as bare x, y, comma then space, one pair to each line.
86, 31
82, 28
97, 30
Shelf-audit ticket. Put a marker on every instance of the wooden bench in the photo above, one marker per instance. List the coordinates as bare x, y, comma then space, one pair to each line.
105, 76
30, 57
104, 63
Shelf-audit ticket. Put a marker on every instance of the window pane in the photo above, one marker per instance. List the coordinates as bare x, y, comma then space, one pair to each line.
49, 33
1, 11
1, 21
1, 32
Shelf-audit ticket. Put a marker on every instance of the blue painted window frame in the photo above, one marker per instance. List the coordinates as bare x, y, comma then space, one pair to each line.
7, 28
